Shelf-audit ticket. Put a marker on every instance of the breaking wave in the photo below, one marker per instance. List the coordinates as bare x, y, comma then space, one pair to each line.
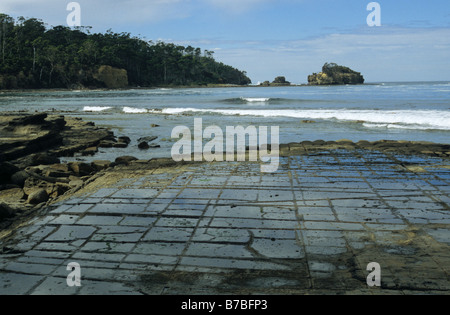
96, 108
401, 119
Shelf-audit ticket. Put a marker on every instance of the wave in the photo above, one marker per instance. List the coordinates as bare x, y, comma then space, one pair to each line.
401, 119
254, 99
132, 110
269, 100
96, 108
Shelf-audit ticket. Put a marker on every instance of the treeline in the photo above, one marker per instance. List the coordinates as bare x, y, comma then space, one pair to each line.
34, 56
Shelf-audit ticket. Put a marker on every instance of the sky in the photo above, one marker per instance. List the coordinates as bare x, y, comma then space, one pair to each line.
270, 38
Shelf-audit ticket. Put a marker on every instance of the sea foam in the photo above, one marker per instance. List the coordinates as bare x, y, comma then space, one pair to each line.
96, 108
401, 119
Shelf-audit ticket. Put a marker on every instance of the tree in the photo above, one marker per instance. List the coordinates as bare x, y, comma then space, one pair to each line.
280, 80
6, 25
33, 56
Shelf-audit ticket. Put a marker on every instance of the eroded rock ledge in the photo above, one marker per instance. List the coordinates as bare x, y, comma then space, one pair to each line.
31, 175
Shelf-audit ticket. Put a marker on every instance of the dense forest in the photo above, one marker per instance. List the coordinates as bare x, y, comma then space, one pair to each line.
33, 55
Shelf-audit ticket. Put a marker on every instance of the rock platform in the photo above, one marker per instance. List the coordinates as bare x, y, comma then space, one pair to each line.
313, 227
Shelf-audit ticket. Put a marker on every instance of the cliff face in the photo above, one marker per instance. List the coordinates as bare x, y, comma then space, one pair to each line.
333, 74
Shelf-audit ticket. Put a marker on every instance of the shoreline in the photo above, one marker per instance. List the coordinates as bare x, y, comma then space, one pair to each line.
206, 86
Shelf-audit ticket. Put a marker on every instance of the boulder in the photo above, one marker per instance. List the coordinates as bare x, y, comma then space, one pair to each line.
32, 184
19, 178
13, 195
147, 139
120, 145
38, 196
143, 145
101, 165
43, 159
124, 139
60, 167
6, 211
7, 170
106, 144
81, 169
89, 151
56, 173
8, 186
125, 160
58, 190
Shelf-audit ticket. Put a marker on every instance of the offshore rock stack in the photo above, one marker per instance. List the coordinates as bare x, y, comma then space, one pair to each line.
333, 74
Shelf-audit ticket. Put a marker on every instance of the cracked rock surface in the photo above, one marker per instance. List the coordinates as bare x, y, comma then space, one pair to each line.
226, 228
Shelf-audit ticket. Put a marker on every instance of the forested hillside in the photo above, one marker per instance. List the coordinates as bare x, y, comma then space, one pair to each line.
35, 56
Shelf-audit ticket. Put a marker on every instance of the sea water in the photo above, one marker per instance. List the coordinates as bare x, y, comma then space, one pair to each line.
417, 111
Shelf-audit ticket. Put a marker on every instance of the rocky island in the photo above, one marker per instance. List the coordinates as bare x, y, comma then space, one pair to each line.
279, 81
333, 74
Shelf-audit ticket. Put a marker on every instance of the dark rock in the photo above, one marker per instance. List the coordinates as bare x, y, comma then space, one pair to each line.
37, 119
81, 169
125, 160
38, 196
19, 178
147, 139
57, 123
154, 125
100, 165
6, 211
106, 144
120, 145
56, 173
89, 151
124, 139
43, 159
143, 145
58, 190
7, 170
8, 186
59, 167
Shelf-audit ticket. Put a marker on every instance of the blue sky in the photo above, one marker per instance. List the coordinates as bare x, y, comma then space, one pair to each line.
268, 38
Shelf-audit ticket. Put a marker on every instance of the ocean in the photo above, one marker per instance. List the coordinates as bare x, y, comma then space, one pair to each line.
418, 111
